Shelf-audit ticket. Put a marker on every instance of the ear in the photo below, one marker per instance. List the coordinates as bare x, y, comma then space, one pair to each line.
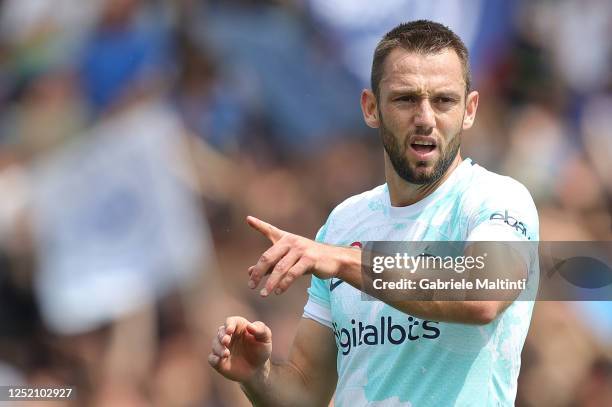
369, 108
471, 106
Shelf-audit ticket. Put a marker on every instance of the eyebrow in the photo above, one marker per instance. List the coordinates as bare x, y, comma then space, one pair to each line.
414, 92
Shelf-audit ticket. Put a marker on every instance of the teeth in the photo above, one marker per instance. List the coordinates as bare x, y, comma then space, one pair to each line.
423, 143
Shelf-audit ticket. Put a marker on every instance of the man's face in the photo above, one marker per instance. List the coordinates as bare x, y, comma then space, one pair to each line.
421, 111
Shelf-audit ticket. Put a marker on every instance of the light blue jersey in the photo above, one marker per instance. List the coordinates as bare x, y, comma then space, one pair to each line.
389, 358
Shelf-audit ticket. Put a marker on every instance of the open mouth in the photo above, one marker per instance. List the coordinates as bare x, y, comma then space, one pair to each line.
423, 147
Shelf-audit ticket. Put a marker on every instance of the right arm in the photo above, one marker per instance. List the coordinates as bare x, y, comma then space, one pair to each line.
241, 352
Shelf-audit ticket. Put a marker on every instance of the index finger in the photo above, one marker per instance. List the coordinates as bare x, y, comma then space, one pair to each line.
271, 232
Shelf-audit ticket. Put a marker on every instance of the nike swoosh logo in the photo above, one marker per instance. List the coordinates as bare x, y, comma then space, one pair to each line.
333, 285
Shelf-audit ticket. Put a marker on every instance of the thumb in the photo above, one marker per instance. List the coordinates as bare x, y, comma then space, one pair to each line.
260, 331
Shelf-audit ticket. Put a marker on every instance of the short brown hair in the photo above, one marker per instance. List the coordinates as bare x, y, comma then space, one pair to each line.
422, 36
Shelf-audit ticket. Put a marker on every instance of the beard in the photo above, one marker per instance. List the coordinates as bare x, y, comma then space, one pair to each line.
401, 165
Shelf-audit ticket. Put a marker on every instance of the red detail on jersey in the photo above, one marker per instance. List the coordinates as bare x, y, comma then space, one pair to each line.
357, 244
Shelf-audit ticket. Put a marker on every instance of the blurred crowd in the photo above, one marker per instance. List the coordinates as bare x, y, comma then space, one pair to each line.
136, 135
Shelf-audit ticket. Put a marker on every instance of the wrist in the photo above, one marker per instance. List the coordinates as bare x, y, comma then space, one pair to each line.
349, 264
259, 378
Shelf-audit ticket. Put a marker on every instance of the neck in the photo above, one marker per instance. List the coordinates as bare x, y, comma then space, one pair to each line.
403, 193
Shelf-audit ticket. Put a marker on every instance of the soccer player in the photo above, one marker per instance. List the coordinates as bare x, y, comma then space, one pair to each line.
384, 352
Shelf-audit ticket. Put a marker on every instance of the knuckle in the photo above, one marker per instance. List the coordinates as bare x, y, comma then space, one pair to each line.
265, 258
307, 256
302, 268
280, 267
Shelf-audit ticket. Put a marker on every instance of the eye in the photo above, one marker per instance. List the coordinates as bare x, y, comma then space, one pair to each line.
444, 100
407, 99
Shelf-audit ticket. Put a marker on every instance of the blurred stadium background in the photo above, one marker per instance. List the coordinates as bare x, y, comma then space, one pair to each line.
136, 135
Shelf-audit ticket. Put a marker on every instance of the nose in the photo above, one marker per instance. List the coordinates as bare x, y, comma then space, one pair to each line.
425, 116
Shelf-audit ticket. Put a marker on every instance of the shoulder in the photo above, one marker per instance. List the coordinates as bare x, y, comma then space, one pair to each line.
494, 198
363, 202
486, 186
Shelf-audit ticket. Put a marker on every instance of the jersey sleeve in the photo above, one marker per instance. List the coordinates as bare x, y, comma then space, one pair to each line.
507, 214
318, 307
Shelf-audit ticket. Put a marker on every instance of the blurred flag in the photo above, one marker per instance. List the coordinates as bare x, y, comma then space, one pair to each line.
114, 227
